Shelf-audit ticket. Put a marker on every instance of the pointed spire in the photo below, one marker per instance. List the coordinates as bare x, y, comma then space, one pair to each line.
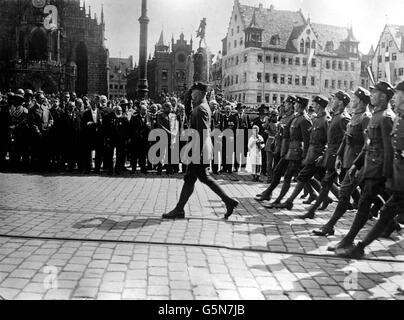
89, 11
253, 24
161, 40
102, 14
84, 6
371, 51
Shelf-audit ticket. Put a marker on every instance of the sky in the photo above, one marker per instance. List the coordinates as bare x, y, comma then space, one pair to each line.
368, 18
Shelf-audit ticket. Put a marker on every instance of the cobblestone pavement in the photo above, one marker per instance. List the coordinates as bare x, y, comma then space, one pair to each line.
104, 239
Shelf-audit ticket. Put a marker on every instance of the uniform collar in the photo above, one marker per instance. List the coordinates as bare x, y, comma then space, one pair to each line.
322, 114
381, 109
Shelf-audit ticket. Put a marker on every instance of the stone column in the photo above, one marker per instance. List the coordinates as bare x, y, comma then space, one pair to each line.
142, 86
201, 66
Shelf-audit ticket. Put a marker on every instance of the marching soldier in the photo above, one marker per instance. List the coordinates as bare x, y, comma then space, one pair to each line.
284, 134
395, 182
349, 150
318, 141
377, 159
298, 146
336, 133
271, 130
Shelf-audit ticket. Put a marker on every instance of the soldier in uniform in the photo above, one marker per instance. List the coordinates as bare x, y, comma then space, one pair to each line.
229, 122
271, 130
318, 141
19, 133
395, 183
40, 121
377, 159
298, 146
351, 146
284, 133
116, 134
201, 122
336, 133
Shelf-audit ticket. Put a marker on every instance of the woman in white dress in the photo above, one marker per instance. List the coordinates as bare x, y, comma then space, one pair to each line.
255, 145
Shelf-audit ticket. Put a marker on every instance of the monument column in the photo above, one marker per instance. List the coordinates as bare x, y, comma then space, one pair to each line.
142, 86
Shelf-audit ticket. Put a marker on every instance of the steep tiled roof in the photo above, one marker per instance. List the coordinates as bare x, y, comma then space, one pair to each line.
326, 33
398, 33
274, 22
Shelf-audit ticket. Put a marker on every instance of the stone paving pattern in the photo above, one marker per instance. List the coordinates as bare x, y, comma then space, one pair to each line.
107, 240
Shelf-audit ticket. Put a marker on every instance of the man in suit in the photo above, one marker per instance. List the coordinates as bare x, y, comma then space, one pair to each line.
261, 122
216, 129
201, 122
92, 137
229, 123
243, 125
139, 129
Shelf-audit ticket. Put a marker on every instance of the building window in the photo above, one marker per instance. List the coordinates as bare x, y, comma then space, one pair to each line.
339, 84
268, 59
116, 87
275, 78
304, 81
313, 81
232, 32
302, 46
275, 98
259, 98
282, 98
267, 77
401, 71
243, 97
390, 43
313, 63
235, 43
352, 66
339, 65
275, 40
290, 79
283, 60
231, 81
326, 84
245, 77
387, 58
379, 59
363, 82
304, 62
329, 46
290, 61
332, 84
345, 85
267, 98
313, 44
111, 86
276, 59
237, 60
351, 85
282, 79
394, 56
327, 64
297, 81
334, 65
259, 77
238, 29
236, 79
259, 58
297, 61
245, 58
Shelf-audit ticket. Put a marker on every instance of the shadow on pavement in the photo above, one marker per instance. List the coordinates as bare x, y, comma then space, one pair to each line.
108, 224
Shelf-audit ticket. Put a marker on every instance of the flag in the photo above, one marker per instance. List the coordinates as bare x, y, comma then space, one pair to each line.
309, 59
388, 72
371, 77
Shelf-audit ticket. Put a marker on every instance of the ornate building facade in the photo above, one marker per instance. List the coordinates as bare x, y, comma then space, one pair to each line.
119, 69
52, 45
269, 53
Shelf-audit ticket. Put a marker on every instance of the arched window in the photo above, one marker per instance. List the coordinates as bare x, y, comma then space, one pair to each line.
302, 46
308, 42
313, 44
38, 45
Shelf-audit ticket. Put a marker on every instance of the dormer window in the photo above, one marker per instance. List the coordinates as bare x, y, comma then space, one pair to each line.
275, 40
329, 46
302, 46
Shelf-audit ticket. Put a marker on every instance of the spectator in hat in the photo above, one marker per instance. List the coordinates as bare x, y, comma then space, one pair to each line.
262, 121
255, 145
241, 143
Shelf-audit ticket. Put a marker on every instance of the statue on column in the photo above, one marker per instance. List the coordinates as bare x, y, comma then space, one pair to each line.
201, 32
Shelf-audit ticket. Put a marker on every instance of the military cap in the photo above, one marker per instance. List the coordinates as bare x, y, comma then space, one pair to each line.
322, 101
384, 87
362, 94
19, 94
302, 101
29, 92
400, 86
124, 102
239, 106
291, 99
200, 86
342, 96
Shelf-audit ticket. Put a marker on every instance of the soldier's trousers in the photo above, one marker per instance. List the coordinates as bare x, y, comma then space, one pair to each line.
394, 206
371, 189
269, 164
279, 172
195, 172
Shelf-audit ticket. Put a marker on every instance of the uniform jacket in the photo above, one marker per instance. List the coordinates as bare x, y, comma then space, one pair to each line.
299, 137
318, 137
354, 139
201, 117
377, 156
19, 123
284, 133
336, 132
398, 148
